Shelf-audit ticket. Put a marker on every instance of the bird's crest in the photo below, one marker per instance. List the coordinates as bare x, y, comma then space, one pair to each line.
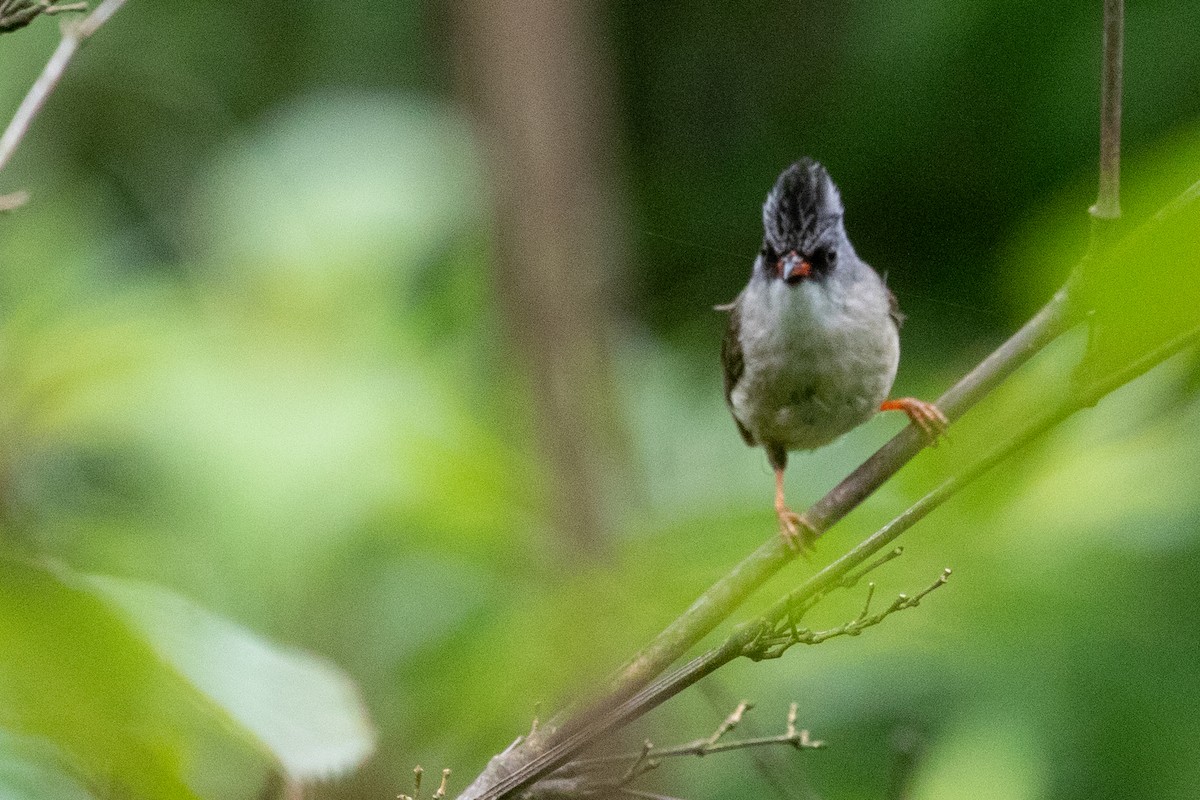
801, 206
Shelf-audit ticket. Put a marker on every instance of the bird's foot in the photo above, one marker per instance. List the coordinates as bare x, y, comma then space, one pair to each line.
926, 416
798, 533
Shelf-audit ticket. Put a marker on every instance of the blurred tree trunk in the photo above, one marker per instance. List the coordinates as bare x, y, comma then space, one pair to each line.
539, 84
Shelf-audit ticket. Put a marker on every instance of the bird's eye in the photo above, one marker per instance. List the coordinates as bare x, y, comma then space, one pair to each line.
823, 260
768, 253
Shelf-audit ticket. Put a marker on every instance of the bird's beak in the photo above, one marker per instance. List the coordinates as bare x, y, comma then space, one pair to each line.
792, 268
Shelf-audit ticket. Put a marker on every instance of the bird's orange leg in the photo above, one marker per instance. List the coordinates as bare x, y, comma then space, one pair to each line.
926, 416
797, 532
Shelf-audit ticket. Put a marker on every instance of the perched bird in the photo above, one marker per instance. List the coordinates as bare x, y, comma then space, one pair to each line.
814, 339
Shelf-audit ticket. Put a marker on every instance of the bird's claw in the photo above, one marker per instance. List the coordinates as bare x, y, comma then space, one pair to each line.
926, 416
798, 533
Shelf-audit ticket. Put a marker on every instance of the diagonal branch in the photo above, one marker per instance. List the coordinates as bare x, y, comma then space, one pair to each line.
636, 687
516, 768
723, 597
634, 690
517, 765
747, 638
73, 37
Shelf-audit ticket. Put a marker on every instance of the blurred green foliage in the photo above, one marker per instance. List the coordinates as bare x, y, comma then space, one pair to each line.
249, 356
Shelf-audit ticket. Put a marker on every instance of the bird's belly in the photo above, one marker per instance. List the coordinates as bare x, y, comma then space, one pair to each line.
808, 388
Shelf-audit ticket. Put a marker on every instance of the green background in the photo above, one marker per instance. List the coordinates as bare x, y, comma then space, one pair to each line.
252, 351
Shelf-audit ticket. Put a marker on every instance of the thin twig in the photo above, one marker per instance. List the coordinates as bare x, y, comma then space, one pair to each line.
783, 639
635, 767
729, 723
850, 581
16, 14
579, 777
416, 795
50, 9
441, 790
866, 609
799, 740
73, 37
798, 611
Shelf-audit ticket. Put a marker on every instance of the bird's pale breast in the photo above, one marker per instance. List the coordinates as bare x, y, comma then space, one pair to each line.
820, 358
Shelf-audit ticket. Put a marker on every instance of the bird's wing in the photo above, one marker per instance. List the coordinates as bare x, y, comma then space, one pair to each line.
732, 362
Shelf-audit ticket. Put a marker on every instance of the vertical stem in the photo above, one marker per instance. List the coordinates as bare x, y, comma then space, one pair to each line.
1108, 202
538, 81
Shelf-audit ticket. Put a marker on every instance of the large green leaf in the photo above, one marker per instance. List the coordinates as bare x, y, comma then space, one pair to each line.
73, 674
145, 692
304, 712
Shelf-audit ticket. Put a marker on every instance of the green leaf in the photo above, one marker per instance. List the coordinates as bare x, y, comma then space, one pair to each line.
302, 711
151, 696
72, 674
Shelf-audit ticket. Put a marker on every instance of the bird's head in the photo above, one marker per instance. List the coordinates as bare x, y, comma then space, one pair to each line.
802, 224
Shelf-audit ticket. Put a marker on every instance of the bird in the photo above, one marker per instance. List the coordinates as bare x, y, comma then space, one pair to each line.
813, 340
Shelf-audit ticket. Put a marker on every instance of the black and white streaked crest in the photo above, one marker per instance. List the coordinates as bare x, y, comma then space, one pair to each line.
802, 210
